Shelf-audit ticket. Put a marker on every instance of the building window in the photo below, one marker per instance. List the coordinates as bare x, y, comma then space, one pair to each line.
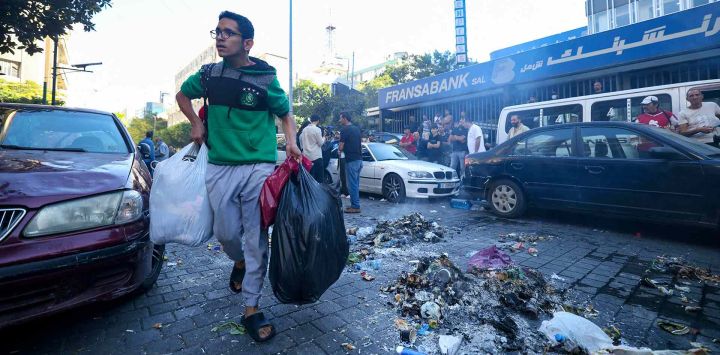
600, 15
10, 68
694, 3
622, 13
670, 6
645, 10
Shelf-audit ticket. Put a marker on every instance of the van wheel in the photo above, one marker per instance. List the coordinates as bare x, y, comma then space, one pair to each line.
506, 199
157, 262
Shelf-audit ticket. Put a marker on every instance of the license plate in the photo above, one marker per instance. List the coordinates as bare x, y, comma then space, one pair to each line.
447, 185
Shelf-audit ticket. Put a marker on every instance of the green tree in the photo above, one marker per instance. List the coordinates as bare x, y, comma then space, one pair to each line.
138, 127
28, 92
311, 98
176, 136
23, 22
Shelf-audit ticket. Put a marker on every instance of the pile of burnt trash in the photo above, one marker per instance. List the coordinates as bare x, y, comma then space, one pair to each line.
490, 310
395, 233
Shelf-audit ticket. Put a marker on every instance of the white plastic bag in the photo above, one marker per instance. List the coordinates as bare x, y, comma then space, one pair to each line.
180, 211
577, 331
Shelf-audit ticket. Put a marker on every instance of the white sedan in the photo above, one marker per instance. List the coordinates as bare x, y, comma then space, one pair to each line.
387, 171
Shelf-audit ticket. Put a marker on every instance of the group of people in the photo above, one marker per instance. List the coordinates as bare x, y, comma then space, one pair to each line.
156, 150
444, 140
700, 120
316, 146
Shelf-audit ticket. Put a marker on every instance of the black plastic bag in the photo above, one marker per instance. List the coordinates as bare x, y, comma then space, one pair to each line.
309, 247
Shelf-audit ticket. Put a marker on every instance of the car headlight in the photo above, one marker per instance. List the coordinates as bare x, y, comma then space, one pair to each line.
455, 175
92, 212
420, 175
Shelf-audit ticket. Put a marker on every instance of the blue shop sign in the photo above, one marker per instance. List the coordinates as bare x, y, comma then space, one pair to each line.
682, 32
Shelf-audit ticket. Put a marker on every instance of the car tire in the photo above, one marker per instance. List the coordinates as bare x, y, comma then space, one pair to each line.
506, 199
393, 188
158, 254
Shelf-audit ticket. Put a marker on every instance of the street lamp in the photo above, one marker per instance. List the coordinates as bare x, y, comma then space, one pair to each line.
75, 68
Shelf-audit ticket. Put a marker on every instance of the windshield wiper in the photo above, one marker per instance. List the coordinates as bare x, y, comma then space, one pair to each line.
12, 146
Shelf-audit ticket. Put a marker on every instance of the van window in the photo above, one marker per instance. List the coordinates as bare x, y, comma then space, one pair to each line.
636, 108
562, 114
609, 110
530, 118
712, 95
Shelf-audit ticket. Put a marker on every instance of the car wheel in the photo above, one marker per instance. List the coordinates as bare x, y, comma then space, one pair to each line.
158, 253
506, 199
393, 188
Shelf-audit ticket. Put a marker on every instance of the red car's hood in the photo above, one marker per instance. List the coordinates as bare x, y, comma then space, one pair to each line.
35, 178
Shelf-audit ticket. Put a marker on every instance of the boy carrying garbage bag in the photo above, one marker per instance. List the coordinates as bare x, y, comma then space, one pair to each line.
244, 97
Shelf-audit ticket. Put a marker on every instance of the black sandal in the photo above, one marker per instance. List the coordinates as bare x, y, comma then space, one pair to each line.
254, 323
237, 276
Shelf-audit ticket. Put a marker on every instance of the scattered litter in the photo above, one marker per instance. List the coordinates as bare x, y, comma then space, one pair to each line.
382, 200
449, 345
460, 204
471, 253
364, 232
673, 328
665, 290
354, 258
693, 308
165, 257
369, 265
683, 270
157, 325
172, 263
402, 231
367, 277
348, 346
533, 251
555, 276
682, 288
129, 331
401, 350
424, 329
430, 310
233, 327
489, 259
614, 333
517, 246
352, 231
214, 247
577, 332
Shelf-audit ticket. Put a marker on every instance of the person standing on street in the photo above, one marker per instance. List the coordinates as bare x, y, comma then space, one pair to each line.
517, 126
312, 141
351, 147
700, 119
244, 97
147, 149
434, 152
162, 151
475, 139
458, 141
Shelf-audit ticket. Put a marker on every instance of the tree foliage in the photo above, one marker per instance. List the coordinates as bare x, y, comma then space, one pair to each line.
23, 22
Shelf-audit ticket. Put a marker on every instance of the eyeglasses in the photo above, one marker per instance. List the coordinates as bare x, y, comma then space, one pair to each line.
224, 34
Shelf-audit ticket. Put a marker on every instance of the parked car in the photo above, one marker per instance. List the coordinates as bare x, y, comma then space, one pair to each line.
388, 171
609, 168
74, 218
386, 137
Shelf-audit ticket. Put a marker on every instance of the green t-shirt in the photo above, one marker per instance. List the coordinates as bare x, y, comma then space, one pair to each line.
243, 103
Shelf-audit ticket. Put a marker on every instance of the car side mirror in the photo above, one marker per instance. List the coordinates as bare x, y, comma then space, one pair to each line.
666, 153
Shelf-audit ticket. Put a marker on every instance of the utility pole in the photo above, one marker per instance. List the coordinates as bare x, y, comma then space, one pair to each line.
54, 81
290, 60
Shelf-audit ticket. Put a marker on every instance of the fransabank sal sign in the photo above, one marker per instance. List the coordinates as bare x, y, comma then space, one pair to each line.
686, 31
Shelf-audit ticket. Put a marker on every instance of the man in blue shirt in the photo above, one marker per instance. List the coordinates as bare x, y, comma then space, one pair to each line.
147, 149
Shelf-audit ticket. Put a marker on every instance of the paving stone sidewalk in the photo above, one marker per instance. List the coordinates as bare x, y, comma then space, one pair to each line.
600, 261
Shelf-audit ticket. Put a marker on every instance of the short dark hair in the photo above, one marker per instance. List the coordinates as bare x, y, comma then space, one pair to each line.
346, 115
314, 118
149, 134
244, 25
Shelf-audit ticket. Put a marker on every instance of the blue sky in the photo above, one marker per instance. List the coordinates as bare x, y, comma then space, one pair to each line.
143, 43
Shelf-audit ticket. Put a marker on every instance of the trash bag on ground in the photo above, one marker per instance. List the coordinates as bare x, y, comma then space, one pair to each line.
180, 210
309, 248
575, 332
273, 186
489, 259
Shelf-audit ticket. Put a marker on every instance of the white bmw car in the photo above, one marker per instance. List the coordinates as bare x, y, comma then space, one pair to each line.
388, 171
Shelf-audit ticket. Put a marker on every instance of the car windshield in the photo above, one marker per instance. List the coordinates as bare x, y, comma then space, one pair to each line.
60, 130
386, 152
699, 147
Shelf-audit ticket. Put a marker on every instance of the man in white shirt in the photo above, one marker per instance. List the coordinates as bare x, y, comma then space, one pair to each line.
517, 126
475, 139
312, 141
700, 120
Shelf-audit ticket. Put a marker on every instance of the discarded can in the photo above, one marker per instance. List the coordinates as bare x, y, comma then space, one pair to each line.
401, 350
460, 204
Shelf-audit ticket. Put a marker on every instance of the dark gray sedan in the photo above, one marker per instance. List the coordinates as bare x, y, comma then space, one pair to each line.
611, 168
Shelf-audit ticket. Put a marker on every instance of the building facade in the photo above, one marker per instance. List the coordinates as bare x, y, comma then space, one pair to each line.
22, 67
605, 15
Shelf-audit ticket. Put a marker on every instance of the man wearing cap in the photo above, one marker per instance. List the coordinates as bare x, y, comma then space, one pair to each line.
653, 115
700, 119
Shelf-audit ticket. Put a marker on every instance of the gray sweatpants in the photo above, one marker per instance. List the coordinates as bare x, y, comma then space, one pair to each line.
234, 193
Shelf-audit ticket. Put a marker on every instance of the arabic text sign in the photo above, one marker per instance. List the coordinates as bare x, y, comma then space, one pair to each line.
686, 31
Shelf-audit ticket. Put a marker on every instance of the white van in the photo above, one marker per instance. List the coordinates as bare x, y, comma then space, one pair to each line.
611, 106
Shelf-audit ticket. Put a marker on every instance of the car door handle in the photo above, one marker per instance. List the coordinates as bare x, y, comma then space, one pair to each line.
594, 169
517, 166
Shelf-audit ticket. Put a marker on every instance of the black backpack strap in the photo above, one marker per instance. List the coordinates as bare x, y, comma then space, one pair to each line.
205, 71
